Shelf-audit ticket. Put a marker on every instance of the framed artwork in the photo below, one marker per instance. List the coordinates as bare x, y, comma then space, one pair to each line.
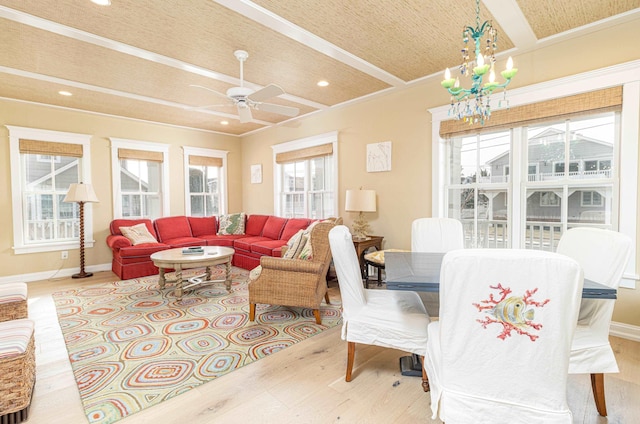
256, 174
379, 157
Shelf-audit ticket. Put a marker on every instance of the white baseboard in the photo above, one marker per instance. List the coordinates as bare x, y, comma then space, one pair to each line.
48, 275
625, 331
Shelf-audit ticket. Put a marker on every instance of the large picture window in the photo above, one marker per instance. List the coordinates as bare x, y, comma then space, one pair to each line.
205, 181
306, 177
140, 179
43, 166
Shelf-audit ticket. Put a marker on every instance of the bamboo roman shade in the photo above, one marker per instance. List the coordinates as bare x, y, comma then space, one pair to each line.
140, 155
37, 147
303, 154
205, 161
604, 100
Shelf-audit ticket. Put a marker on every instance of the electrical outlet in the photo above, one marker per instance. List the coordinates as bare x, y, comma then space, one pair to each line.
65, 254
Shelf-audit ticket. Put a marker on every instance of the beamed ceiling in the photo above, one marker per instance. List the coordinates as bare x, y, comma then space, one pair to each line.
139, 58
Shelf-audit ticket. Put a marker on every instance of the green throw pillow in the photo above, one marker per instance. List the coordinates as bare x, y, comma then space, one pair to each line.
231, 224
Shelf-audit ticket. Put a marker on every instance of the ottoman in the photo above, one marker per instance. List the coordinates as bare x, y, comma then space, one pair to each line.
13, 301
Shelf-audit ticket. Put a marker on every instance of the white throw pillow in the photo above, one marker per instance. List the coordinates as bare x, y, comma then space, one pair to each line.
138, 234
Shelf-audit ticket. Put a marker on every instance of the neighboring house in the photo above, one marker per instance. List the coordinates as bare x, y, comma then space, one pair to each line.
593, 159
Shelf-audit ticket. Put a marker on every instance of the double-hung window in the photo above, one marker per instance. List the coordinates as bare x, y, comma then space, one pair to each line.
205, 181
140, 178
306, 177
43, 166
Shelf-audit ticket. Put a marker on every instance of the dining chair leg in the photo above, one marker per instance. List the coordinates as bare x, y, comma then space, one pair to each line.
316, 313
252, 311
597, 386
425, 378
351, 353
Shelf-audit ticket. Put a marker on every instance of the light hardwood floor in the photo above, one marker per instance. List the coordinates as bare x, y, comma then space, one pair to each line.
301, 384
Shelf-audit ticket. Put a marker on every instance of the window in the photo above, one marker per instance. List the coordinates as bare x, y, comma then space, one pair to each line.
43, 166
607, 166
205, 181
306, 177
140, 176
591, 198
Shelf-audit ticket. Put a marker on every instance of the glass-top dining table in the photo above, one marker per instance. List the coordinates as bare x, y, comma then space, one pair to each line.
420, 271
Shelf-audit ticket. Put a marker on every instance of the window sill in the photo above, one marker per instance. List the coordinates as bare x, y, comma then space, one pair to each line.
51, 247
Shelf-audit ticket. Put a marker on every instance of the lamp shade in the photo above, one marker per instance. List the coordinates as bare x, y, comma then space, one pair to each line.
360, 201
81, 193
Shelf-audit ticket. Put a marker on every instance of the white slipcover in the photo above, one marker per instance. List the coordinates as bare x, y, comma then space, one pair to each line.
500, 352
387, 318
603, 255
436, 235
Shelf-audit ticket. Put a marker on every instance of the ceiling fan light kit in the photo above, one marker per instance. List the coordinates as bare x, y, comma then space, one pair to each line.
245, 98
473, 104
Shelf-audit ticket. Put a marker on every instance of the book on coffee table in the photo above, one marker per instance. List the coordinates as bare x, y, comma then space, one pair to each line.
193, 251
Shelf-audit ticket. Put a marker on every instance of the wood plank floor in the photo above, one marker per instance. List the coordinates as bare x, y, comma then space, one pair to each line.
301, 384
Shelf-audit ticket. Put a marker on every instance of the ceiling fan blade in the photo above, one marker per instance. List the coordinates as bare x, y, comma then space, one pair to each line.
209, 89
265, 93
244, 112
281, 110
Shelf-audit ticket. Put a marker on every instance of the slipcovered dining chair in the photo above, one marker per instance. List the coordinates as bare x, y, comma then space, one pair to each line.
386, 318
500, 351
603, 255
436, 235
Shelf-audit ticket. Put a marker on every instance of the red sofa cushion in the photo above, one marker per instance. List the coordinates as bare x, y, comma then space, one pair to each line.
115, 225
185, 242
224, 240
273, 227
255, 224
294, 225
245, 243
203, 226
268, 247
140, 251
172, 227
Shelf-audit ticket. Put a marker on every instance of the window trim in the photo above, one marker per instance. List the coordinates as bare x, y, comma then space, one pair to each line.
123, 143
625, 74
303, 143
211, 153
15, 134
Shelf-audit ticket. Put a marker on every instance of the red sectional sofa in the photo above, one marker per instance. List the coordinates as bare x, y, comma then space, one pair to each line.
263, 235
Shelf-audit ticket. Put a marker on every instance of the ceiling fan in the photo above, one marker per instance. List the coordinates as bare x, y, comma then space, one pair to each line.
245, 99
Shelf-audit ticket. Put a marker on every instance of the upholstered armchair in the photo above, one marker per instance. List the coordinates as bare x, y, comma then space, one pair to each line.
295, 282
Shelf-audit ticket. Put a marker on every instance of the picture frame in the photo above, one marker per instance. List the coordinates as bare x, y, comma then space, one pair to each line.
379, 157
256, 174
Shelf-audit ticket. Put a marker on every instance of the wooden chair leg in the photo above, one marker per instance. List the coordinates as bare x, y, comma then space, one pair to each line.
252, 311
597, 386
326, 298
425, 378
351, 353
316, 313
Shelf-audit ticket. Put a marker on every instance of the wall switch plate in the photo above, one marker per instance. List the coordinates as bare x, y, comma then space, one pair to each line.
65, 254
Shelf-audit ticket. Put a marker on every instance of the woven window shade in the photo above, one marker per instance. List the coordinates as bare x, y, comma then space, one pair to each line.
36, 147
140, 155
205, 161
604, 100
303, 154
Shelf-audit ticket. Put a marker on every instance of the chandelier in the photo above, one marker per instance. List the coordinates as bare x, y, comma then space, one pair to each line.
474, 104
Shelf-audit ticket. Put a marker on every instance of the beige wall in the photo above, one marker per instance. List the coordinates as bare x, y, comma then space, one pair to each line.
100, 128
404, 193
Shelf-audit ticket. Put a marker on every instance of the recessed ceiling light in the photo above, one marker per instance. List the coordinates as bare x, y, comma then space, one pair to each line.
323, 83
64, 93
102, 2
224, 122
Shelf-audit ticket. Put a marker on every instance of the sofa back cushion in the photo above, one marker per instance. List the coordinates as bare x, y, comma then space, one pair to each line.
255, 224
273, 227
172, 227
203, 226
115, 225
294, 225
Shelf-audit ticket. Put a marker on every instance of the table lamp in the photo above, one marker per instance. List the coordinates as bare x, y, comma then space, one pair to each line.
81, 193
360, 201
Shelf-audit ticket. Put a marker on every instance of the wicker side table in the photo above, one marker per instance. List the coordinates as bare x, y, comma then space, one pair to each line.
13, 301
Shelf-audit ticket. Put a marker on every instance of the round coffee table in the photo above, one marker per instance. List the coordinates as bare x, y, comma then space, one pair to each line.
175, 259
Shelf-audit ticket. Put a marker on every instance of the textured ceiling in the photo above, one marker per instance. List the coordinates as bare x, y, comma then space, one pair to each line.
139, 58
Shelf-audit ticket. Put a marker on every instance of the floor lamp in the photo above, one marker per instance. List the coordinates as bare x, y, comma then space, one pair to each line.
80, 194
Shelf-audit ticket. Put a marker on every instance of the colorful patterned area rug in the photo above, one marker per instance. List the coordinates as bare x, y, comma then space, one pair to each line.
132, 346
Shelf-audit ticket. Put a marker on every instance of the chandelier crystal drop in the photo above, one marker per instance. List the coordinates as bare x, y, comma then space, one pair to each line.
474, 104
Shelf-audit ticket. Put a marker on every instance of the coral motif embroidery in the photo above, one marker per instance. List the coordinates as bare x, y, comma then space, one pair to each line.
511, 312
